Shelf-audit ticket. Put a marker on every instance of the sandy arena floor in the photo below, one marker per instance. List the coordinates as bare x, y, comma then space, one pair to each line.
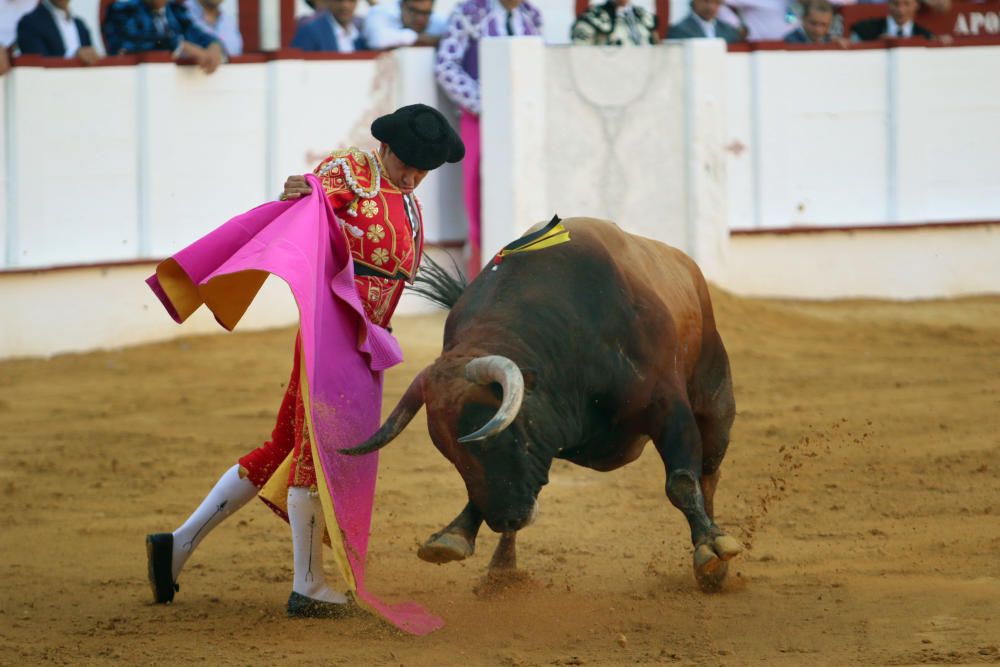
864, 475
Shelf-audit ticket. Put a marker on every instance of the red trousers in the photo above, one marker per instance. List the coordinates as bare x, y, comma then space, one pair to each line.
290, 434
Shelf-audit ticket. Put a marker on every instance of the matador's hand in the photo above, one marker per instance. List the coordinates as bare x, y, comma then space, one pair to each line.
296, 187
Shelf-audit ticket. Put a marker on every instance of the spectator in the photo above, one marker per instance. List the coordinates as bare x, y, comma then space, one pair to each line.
817, 20
140, 26
457, 72
51, 30
208, 15
899, 23
394, 23
11, 12
616, 22
760, 19
703, 22
332, 28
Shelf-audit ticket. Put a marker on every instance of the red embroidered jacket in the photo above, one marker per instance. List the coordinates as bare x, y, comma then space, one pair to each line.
383, 226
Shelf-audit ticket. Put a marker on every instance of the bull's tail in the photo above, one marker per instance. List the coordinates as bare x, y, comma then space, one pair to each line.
439, 285
408, 406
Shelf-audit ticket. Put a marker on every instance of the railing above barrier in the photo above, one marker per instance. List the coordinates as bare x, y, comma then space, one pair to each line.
873, 45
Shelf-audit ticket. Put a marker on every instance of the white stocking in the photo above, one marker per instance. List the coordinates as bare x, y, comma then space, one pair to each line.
229, 494
305, 515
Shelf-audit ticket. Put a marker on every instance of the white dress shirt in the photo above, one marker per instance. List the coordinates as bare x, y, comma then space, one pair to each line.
708, 27
384, 26
764, 19
893, 29
225, 29
11, 12
345, 36
67, 29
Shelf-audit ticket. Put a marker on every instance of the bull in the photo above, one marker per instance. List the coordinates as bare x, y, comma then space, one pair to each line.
584, 351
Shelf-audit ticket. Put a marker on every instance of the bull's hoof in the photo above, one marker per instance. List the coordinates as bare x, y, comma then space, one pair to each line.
446, 547
711, 561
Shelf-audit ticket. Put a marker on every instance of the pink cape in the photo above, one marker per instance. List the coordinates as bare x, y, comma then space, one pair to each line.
344, 353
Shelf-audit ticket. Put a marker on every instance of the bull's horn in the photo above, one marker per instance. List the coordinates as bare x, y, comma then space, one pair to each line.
401, 415
502, 370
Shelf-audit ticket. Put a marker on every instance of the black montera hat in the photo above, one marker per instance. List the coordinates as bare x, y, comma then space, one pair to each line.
420, 136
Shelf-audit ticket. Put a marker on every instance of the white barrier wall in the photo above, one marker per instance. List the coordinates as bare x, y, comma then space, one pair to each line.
644, 137
5, 159
947, 136
678, 142
71, 159
121, 163
919, 262
869, 137
202, 152
605, 133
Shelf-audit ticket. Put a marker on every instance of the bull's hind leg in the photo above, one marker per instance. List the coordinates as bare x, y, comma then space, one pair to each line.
680, 447
457, 541
711, 556
715, 410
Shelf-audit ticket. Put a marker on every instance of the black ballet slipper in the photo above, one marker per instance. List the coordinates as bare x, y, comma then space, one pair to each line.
159, 557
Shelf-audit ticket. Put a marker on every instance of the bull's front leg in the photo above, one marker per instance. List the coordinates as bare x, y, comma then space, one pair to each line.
505, 556
680, 449
457, 541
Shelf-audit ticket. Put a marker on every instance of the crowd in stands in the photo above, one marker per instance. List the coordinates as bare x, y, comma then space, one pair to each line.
199, 30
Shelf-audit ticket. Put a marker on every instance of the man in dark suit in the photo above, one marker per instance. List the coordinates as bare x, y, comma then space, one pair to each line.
51, 30
898, 24
333, 28
702, 22
139, 26
817, 20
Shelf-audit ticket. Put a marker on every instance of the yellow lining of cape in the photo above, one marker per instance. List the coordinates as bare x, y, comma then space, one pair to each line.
227, 296
179, 288
230, 295
275, 489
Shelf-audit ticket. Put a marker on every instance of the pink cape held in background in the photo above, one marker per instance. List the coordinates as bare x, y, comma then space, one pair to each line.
344, 355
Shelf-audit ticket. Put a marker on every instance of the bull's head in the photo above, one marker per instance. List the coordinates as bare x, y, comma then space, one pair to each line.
478, 418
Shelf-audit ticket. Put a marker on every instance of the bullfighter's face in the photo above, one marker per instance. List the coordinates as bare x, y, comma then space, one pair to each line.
405, 177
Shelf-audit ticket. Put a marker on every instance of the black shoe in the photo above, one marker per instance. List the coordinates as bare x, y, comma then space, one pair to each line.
300, 606
160, 556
